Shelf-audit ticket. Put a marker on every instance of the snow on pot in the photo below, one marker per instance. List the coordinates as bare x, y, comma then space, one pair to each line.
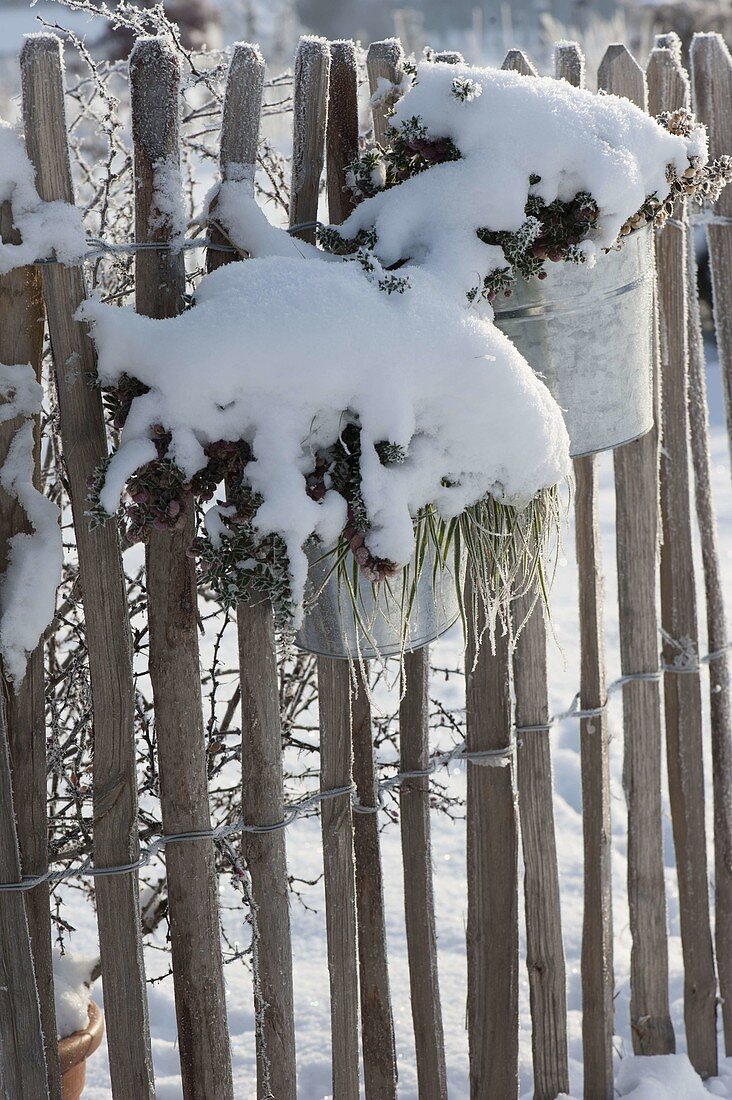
604, 386
79, 1020
359, 422
517, 191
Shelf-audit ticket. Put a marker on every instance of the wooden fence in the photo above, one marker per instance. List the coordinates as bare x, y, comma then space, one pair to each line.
507, 693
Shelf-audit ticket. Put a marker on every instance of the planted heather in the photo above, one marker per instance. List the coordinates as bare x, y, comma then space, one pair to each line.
373, 428
397, 443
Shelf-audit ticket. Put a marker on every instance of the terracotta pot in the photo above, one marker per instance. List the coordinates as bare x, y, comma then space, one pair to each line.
74, 1050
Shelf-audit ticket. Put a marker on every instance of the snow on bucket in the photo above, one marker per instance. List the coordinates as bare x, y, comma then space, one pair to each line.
589, 334
331, 629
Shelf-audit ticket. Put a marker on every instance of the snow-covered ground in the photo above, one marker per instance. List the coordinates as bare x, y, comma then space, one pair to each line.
666, 1079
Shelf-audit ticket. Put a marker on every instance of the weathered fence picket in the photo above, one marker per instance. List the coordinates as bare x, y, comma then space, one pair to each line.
312, 75
544, 947
265, 854
334, 703
385, 68
377, 1024
492, 861
22, 320
106, 618
712, 93
341, 145
173, 617
711, 74
310, 111
637, 541
597, 928
668, 89
22, 1057
711, 65
419, 900
720, 706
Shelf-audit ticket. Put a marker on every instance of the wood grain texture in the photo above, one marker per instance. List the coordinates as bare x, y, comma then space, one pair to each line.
105, 608
22, 1057
239, 134
334, 703
377, 1023
419, 900
518, 62
310, 112
711, 67
265, 854
667, 90
597, 928
597, 942
312, 69
492, 853
720, 705
637, 539
384, 61
173, 622
544, 946
342, 134
21, 341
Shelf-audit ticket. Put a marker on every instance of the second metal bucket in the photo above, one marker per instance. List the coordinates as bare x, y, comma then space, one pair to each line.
589, 333
331, 629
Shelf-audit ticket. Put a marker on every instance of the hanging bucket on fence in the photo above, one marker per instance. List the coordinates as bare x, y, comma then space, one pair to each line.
332, 629
589, 334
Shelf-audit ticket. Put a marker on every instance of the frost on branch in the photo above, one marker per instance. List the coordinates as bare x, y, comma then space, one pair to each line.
33, 573
46, 228
331, 408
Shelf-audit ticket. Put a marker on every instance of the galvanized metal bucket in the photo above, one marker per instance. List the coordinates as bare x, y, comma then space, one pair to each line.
332, 629
588, 332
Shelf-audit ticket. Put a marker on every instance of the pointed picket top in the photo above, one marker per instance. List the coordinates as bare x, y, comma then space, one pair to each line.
518, 62
668, 84
384, 63
242, 106
569, 63
310, 110
620, 74
342, 128
711, 74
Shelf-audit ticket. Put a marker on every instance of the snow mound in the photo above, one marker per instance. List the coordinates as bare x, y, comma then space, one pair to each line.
46, 228
33, 573
510, 129
282, 354
71, 978
659, 1077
